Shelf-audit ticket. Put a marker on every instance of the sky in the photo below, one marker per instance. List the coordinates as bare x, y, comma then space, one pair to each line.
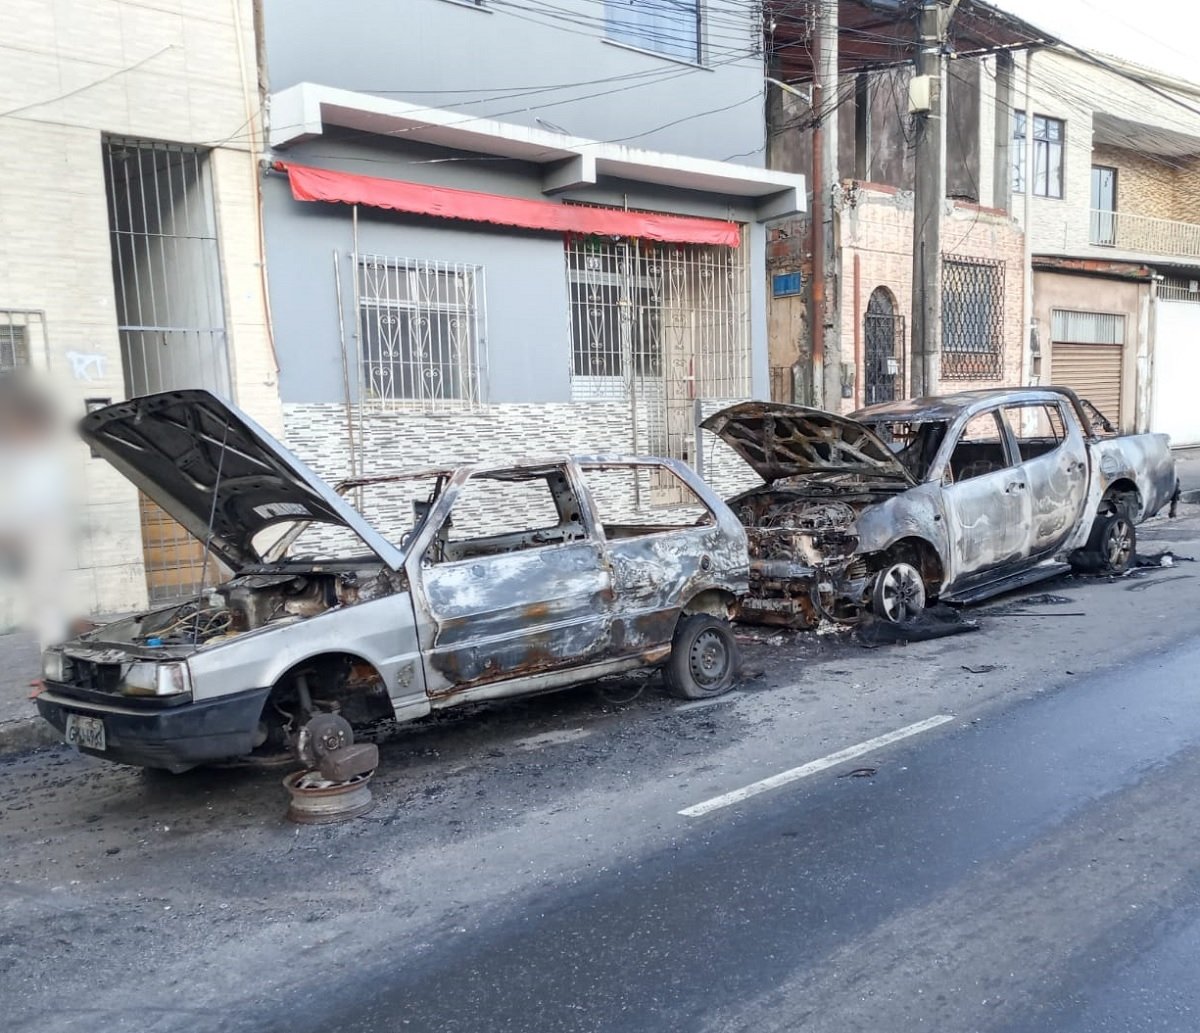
1155, 33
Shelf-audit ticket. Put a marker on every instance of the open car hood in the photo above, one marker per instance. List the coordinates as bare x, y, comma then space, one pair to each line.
176, 447
780, 441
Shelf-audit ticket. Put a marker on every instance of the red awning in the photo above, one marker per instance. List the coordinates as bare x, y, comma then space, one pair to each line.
309, 184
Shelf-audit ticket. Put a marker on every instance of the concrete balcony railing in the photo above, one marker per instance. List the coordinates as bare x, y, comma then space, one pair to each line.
1140, 234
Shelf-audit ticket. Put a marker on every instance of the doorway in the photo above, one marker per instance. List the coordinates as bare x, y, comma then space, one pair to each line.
1104, 205
883, 348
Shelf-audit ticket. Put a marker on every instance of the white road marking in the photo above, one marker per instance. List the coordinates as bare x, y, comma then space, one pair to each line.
812, 767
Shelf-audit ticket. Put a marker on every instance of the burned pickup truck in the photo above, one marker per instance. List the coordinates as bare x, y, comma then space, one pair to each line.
467, 583
954, 498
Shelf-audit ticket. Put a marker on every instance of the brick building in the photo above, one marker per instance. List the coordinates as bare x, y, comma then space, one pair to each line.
1104, 293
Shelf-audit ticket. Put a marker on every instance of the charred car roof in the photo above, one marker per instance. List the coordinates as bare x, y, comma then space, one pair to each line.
950, 407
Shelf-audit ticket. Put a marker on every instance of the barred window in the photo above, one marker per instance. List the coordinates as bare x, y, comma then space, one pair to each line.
972, 319
14, 344
23, 341
422, 340
615, 314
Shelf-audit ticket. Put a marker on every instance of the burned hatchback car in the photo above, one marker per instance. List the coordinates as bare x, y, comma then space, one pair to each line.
955, 498
465, 583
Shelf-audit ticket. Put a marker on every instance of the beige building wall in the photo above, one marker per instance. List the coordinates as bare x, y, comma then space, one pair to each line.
179, 71
1089, 292
876, 237
1093, 102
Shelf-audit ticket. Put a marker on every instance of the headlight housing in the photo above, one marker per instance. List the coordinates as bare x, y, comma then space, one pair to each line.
55, 666
151, 678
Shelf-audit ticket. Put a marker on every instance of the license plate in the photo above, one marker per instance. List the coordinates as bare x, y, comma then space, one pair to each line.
85, 731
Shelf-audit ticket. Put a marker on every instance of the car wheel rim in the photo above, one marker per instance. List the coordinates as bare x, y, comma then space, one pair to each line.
903, 594
1120, 543
708, 659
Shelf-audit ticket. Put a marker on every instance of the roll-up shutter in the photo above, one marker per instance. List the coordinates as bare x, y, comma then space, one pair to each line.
1086, 356
1094, 372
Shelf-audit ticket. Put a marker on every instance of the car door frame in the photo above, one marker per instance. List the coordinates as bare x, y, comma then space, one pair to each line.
529, 637
962, 499
1057, 481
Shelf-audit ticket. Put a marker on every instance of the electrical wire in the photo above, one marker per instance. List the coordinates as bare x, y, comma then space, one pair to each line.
87, 86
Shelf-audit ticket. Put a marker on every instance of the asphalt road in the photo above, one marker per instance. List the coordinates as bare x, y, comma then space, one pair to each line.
1026, 864
1036, 871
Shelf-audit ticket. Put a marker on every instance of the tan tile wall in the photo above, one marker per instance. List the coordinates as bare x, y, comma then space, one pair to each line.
1161, 188
180, 71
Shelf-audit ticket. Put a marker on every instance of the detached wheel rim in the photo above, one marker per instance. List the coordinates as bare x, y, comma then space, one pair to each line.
901, 593
1118, 549
709, 659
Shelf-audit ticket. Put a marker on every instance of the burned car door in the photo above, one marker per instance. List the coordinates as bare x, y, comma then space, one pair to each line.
986, 499
664, 557
513, 583
1055, 463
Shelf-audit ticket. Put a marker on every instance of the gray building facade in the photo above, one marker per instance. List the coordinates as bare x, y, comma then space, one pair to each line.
533, 230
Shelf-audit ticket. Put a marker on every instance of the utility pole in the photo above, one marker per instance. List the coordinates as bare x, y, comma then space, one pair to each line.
825, 312
929, 193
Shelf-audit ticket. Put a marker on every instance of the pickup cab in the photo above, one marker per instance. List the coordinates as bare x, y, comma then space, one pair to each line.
954, 498
389, 597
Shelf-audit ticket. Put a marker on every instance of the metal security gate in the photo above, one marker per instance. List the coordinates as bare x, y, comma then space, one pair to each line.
883, 348
972, 319
1087, 355
170, 308
661, 326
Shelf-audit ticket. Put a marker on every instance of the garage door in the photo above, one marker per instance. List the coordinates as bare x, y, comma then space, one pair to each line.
1094, 372
1086, 352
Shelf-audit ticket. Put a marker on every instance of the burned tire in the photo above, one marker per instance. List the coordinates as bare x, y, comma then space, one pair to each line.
899, 594
1113, 542
704, 658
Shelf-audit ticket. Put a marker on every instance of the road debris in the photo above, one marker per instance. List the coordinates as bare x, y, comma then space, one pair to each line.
1166, 558
317, 801
935, 622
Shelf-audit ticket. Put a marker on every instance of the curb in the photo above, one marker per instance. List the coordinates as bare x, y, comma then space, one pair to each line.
25, 734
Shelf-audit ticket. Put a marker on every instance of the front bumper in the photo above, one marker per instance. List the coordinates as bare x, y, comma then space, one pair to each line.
172, 737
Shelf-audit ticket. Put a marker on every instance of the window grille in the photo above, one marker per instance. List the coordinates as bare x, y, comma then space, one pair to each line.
1068, 327
166, 266
972, 319
20, 332
422, 338
669, 27
658, 326
170, 311
1179, 290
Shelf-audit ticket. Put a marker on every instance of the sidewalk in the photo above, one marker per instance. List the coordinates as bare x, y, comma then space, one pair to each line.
20, 726
1187, 466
